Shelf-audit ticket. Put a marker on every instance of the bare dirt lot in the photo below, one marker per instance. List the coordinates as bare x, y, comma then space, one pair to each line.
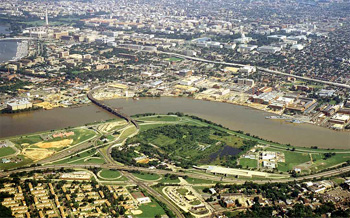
37, 154
56, 144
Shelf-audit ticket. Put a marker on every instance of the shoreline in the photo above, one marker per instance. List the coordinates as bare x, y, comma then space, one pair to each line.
246, 106
87, 107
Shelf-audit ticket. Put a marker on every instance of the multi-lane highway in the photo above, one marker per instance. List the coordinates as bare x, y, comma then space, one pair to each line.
216, 178
259, 68
154, 193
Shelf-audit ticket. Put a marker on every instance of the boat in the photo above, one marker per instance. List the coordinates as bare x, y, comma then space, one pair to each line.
276, 117
295, 121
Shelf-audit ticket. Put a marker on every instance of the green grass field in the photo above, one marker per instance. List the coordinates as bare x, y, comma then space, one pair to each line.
172, 59
6, 151
75, 157
199, 181
150, 210
89, 160
146, 176
149, 126
293, 159
80, 135
25, 161
27, 139
246, 162
109, 174
195, 202
182, 191
129, 131
321, 164
160, 118
168, 180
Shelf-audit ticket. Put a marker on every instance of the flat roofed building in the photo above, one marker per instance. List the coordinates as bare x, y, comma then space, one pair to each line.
19, 105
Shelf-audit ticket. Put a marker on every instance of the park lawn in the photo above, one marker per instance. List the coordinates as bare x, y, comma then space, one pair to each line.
322, 164
316, 157
292, 159
94, 160
182, 191
109, 174
195, 202
150, 126
199, 181
338, 180
230, 140
246, 162
150, 210
6, 151
129, 131
110, 138
27, 139
173, 59
169, 180
25, 161
163, 140
146, 176
81, 135
75, 157
160, 118
332, 102
199, 189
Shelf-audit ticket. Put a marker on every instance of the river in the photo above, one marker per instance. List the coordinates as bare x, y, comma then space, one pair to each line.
233, 116
8, 49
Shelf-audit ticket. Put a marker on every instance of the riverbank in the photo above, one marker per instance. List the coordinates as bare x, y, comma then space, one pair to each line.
232, 116
22, 50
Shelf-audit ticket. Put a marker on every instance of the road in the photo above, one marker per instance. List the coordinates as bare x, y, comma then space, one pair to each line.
259, 68
329, 173
144, 185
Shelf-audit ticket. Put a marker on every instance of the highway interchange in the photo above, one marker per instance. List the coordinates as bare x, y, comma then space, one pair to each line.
48, 163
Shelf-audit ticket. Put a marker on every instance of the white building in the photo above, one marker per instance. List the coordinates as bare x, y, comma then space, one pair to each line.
19, 104
269, 49
247, 69
144, 200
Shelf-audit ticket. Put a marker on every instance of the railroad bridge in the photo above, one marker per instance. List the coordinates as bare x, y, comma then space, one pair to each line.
110, 109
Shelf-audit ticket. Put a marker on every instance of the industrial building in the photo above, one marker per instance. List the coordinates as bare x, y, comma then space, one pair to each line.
19, 105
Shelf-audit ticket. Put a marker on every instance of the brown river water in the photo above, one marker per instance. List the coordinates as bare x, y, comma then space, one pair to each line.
232, 116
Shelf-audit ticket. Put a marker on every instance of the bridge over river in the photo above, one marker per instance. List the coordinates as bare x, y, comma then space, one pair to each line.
108, 108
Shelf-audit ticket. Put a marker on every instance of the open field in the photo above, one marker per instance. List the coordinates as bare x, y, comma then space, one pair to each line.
109, 174
199, 181
37, 153
23, 161
173, 59
80, 134
75, 157
182, 191
159, 118
6, 151
292, 159
169, 180
150, 210
54, 144
250, 163
146, 176
89, 160
321, 164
